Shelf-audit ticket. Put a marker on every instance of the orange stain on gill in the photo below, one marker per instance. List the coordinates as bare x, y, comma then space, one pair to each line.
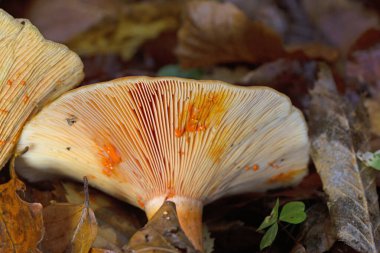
25, 98
203, 110
9, 82
140, 202
110, 158
285, 177
254, 167
170, 190
23, 82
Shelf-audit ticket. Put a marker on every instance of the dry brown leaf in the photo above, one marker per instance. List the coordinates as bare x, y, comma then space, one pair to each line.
21, 225
69, 227
317, 232
97, 250
364, 67
162, 234
373, 107
351, 189
125, 32
340, 21
117, 222
219, 32
265, 11
215, 32
62, 20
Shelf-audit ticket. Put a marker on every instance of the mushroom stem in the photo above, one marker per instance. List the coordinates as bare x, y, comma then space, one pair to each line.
189, 212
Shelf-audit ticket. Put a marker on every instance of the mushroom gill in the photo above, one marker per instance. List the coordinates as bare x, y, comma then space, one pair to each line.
147, 140
32, 71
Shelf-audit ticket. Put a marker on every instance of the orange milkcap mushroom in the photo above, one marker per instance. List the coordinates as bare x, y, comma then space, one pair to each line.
32, 71
147, 140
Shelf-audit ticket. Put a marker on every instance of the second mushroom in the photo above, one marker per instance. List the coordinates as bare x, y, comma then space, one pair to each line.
147, 140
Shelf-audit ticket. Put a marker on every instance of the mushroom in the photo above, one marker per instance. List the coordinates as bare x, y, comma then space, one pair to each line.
147, 140
33, 71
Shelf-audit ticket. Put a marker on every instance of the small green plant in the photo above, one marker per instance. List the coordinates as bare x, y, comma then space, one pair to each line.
292, 212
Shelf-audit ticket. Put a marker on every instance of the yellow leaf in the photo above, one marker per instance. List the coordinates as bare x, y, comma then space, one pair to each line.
69, 228
126, 32
21, 225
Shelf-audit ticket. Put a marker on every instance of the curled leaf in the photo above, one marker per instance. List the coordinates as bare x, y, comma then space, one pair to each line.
351, 190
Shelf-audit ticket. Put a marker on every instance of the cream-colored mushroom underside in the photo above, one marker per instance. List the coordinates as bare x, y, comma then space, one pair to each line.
32, 70
139, 138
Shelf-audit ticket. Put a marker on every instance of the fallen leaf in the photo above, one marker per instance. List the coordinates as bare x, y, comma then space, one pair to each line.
373, 107
364, 67
350, 188
219, 32
215, 33
341, 21
317, 232
117, 221
97, 250
288, 76
267, 12
69, 227
162, 234
21, 224
126, 31
62, 20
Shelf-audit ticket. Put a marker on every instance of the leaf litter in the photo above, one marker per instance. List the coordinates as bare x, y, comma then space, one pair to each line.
21, 223
352, 196
69, 227
271, 43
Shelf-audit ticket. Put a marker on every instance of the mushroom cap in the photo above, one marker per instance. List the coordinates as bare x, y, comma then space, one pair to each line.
33, 71
140, 138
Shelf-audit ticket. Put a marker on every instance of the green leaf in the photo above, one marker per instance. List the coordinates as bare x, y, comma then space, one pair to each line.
370, 159
293, 212
269, 236
272, 218
176, 70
